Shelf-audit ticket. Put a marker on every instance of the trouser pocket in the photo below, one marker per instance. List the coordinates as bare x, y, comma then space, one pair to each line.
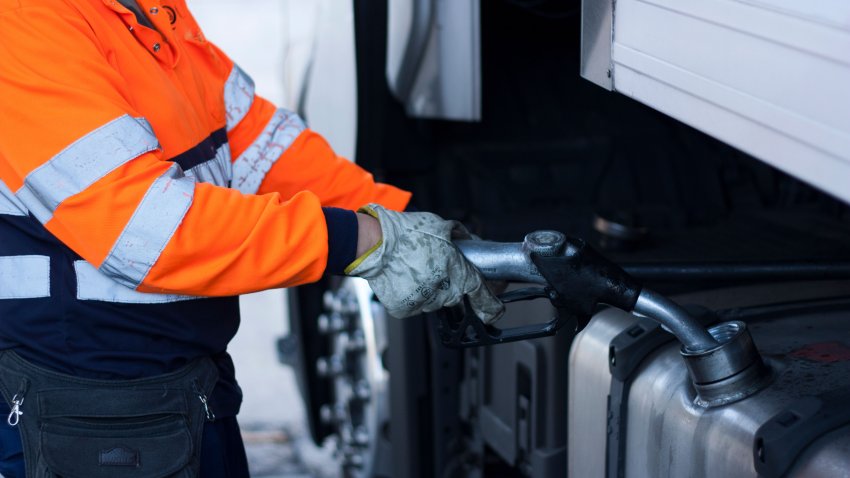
80, 428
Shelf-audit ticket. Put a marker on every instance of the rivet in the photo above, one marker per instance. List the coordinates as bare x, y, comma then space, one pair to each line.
156, 47
154, 10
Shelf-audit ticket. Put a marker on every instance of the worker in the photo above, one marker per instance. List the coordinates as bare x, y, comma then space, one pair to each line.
143, 187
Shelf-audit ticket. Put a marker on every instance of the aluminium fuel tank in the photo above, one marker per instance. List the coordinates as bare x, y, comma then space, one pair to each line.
633, 411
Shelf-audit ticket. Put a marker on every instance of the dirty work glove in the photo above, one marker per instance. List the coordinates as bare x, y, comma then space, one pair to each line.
415, 268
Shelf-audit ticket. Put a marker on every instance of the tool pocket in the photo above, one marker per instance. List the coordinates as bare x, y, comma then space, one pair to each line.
83, 437
73, 427
155, 448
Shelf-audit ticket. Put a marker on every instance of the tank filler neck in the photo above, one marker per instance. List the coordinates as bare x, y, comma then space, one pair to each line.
729, 372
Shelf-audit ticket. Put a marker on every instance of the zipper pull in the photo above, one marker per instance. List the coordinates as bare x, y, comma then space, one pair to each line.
18, 400
203, 398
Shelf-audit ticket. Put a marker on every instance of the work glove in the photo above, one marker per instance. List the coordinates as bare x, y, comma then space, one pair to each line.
416, 268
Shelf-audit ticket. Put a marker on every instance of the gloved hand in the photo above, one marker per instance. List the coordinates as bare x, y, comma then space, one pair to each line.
415, 268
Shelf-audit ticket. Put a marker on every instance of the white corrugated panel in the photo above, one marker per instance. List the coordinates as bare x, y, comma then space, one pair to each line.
771, 77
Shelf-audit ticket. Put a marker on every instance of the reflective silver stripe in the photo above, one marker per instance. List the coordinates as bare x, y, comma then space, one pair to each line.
9, 204
151, 227
216, 171
24, 277
238, 96
95, 285
84, 162
251, 167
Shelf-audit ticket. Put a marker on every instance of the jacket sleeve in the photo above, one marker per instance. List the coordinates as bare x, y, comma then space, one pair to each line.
84, 163
274, 151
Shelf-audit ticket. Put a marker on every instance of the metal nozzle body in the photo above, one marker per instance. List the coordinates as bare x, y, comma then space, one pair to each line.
511, 261
675, 319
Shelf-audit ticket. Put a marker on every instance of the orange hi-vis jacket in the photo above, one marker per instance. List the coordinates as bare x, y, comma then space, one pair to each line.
138, 167
94, 107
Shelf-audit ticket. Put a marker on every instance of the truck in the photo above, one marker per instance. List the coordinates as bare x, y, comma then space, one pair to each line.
702, 146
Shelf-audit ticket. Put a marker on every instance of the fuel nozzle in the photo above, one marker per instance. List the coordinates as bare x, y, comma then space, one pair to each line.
577, 279
723, 361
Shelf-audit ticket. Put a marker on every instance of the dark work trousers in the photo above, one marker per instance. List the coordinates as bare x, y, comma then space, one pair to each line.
222, 450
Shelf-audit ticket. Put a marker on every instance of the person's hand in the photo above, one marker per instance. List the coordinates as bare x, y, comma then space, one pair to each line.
416, 268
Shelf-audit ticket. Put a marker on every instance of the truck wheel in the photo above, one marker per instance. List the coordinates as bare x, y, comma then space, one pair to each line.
354, 324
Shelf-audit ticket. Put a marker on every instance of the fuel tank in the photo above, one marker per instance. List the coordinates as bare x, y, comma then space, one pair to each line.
633, 410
